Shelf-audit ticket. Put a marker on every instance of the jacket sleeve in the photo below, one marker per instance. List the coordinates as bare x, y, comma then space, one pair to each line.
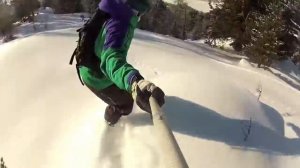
113, 56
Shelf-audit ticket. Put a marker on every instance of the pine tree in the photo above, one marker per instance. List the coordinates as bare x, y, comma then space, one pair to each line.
67, 6
89, 5
226, 20
291, 34
6, 19
47, 3
196, 25
180, 24
263, 30
25, 8
2, 163
250, 24
177, 20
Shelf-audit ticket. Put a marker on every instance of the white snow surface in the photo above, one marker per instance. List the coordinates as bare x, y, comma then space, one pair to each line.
200, 5
47, 119
45, 20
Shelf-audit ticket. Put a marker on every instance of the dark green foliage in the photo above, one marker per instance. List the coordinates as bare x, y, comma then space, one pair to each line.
158, 17
223, 20
89, 5
25, 8
227, 19
3, 2
178, 20
47, 3
291, 18
2, 163
71, 6
263, 29
6, 19
67, 6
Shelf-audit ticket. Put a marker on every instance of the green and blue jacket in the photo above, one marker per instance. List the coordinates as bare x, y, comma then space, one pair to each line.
111, 48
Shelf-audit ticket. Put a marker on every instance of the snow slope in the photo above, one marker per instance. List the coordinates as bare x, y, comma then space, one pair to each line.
46, 21
47, 119
200, 5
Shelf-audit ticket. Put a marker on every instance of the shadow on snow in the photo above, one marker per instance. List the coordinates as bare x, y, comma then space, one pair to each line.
195, 120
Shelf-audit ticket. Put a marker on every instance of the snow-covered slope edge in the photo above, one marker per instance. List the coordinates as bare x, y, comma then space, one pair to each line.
49, 120
200, 5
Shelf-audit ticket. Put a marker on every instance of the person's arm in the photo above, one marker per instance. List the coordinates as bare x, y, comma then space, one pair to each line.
115, 67
125, 76
118, 37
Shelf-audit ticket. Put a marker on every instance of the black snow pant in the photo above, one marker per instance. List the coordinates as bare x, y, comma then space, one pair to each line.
114, 96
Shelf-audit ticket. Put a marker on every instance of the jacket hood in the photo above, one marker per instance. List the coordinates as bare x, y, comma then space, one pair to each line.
117, 9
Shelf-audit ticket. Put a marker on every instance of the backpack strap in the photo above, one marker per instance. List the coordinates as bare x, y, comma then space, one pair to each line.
76, 49
84, 51
78, 73
75, 53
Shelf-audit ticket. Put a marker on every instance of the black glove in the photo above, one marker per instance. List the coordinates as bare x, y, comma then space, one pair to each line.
141, 92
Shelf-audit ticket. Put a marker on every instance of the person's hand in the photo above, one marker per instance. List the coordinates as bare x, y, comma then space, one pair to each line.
141, 92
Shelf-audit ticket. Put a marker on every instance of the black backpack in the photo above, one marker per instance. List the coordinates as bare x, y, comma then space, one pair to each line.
84, 53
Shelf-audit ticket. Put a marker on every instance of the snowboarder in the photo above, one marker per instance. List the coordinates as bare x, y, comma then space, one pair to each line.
118, 83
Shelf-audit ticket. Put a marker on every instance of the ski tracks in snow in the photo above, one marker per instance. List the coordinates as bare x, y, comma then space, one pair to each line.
111, 147
127, 145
